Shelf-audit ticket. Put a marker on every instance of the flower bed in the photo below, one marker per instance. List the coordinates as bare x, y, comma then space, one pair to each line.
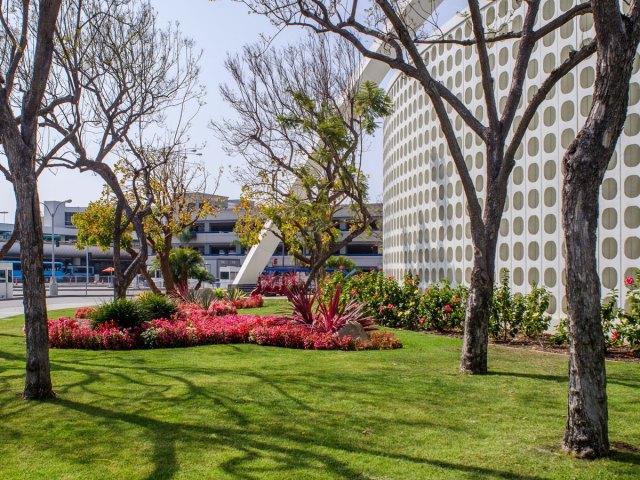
254, 301
194, 326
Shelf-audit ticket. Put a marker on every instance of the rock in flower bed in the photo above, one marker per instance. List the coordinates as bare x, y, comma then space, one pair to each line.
194, 326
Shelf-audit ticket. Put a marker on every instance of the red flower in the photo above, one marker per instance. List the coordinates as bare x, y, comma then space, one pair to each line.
391, 277
615, 335
447, 308
628, 281
422, 321
390, 306
341, 267
353, 292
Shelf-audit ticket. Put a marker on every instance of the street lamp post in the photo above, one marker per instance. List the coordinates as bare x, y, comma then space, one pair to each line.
53, 286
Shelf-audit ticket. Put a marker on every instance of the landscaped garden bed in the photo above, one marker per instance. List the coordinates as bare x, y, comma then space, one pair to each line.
517, 320
157, 322
245, 411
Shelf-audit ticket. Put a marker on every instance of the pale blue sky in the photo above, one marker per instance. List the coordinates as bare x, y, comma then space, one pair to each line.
217, 27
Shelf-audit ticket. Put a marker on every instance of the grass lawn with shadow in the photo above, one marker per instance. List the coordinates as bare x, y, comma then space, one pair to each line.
253, 412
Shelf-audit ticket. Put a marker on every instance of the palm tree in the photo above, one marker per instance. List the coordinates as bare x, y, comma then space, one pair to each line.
186, 263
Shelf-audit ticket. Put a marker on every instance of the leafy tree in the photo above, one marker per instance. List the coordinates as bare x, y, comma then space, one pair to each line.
186, 263
124, 76
97, 225
397, 34
301, 127
178, 187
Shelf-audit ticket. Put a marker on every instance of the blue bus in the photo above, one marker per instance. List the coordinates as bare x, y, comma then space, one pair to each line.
58, 269
78, 272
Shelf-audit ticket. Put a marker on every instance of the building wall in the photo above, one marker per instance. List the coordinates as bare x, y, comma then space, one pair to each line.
426, 230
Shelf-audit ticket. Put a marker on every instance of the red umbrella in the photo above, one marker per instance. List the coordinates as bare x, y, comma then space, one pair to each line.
109, 270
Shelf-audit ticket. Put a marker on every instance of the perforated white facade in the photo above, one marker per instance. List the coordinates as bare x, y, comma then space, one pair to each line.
425, 222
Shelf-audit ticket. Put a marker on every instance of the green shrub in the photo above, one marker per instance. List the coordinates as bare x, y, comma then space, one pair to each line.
125, 313
340, 261
202, 298
535, 319
507, 310
561, 335
442, 307
234, 294
629, 328
219, 293
153, 306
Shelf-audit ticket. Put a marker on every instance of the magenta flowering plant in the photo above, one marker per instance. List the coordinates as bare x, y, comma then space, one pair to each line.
201, 328
303, 303
334, 314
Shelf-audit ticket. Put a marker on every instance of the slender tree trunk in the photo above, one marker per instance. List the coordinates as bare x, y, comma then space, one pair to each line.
38, 379
145, 273
475, 345
165, 269
584, 165
476, 323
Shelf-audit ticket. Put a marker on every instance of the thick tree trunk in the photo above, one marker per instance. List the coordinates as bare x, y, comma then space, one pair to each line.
476, 323
586, 433
38, 379
584, 166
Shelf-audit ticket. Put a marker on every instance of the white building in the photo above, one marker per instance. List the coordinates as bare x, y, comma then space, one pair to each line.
425, 222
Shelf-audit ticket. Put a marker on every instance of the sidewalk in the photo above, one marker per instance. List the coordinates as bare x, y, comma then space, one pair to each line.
9, 308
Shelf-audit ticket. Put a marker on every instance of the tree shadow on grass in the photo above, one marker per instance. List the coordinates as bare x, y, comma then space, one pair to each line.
249, 446
612, 378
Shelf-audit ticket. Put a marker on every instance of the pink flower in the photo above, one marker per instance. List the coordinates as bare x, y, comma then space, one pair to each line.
381, 309
422, 321
341, 267
447, 308
628, 281
353, 292
390, 306
391, 277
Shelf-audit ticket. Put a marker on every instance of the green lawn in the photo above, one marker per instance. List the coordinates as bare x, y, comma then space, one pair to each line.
271, 307
251, 412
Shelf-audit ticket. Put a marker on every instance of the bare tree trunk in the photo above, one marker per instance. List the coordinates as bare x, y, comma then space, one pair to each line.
584, 166
145, 273
19, 141
475, 343
119, 284
484, 232
587, 424
38, 378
